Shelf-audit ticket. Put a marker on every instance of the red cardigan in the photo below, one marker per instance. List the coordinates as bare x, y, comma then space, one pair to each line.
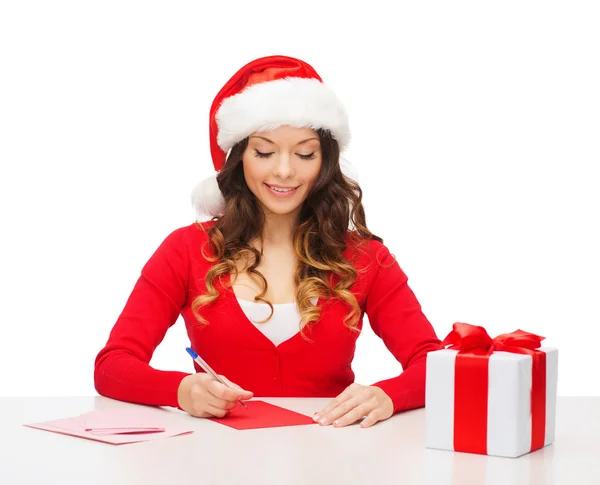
233, 347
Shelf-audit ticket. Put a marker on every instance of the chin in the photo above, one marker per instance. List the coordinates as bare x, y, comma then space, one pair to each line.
279, 210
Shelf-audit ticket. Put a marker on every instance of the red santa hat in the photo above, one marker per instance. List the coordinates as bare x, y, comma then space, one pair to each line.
264, 94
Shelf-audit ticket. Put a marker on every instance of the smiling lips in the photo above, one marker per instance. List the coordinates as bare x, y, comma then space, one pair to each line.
279, 191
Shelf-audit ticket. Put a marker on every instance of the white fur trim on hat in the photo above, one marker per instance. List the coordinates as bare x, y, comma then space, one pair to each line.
208, 201
294, 101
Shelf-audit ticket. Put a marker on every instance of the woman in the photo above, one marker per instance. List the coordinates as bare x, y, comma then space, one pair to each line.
274, 286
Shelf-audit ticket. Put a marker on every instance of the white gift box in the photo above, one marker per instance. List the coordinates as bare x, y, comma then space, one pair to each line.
508, 403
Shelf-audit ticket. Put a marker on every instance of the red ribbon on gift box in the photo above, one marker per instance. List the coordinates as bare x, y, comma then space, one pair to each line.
475, 347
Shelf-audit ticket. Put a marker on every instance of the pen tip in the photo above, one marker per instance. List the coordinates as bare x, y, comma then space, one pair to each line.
191, 352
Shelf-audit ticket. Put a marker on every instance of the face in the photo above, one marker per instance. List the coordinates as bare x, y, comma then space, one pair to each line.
280, 167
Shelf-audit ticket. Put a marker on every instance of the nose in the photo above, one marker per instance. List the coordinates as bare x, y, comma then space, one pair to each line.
283, 166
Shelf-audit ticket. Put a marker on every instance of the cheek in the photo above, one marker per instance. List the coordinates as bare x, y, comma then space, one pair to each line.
313, 173
252, 172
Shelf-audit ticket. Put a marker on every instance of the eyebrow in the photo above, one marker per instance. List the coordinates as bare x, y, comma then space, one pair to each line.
271, 141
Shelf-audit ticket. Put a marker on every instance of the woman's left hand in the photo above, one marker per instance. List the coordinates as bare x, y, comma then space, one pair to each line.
355, 402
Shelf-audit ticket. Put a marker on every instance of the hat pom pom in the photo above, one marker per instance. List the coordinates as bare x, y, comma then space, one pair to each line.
207, 199
348, 169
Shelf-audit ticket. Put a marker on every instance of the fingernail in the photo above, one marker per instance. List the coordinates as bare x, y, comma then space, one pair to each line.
316, 417
335, 423
323, 421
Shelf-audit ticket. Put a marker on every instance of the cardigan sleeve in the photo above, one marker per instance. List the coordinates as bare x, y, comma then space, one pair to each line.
122, 369
396, 317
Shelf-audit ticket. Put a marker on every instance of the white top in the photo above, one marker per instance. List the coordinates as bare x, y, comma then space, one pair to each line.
283, 325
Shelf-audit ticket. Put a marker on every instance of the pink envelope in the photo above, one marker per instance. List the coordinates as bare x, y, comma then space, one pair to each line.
118, 421
114, 426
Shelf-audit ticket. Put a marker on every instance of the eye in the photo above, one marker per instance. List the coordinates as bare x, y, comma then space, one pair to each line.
307, 157
261, 154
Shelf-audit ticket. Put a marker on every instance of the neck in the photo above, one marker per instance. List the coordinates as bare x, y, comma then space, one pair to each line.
279, 229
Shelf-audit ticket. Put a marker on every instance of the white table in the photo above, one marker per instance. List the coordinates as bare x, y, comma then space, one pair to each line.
390, 452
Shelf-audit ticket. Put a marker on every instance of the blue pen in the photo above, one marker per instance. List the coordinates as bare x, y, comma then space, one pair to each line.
207, 368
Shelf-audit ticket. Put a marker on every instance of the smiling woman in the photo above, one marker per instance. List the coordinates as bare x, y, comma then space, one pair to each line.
287, 235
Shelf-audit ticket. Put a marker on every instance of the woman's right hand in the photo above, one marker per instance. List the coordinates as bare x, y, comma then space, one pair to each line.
202, 396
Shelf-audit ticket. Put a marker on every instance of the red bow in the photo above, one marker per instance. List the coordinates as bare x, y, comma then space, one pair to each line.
475, 347
473, 339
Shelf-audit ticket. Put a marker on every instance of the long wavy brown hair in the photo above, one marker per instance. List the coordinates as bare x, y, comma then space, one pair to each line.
331, 213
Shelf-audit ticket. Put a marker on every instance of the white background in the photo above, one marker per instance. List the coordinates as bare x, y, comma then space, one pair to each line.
476, 133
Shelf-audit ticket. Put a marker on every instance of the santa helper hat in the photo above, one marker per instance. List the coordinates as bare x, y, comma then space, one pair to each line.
264, 94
